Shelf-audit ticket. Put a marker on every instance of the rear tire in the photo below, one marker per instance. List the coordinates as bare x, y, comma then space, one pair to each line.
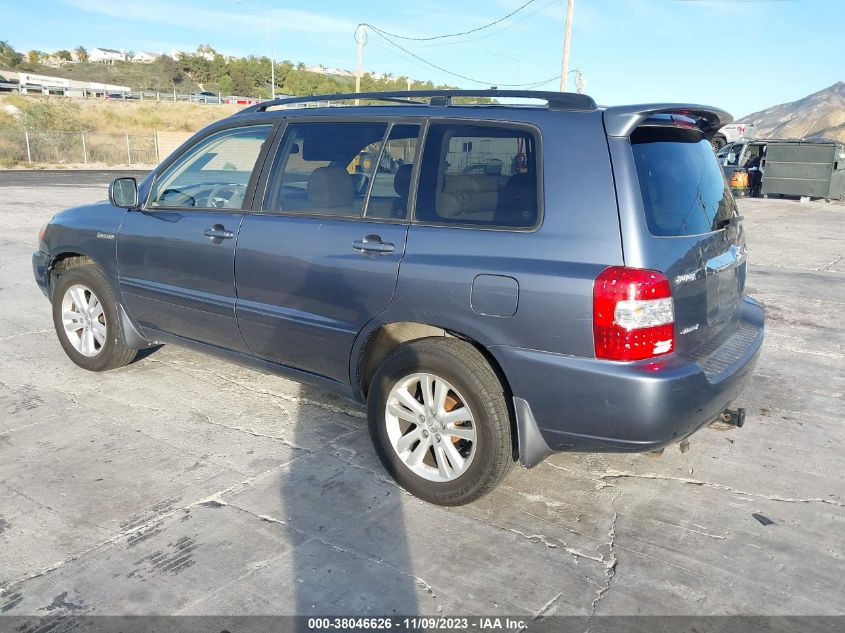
468, 427
86, 320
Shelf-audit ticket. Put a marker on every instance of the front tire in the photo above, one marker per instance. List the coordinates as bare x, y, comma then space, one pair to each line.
439, 421
86, 320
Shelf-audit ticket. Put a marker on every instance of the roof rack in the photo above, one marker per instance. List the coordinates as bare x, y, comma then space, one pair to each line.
555, 100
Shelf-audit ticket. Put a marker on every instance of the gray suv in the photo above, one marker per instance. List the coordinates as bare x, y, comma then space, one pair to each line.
523, 279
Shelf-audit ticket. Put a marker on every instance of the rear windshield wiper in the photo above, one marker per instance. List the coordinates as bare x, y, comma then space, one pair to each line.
728, 222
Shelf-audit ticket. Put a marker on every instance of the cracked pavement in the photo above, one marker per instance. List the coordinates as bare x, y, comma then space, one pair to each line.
183, 484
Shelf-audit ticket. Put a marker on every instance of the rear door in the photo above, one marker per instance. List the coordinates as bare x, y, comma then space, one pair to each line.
320, 257
176, 256
692, 231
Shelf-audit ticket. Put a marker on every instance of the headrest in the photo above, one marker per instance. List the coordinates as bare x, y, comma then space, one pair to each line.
402, 180
330, 187
475, 183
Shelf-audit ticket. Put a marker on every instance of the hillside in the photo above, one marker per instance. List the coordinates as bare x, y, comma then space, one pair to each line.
161, 75
246, 76
819, 114
110, 128
106, 116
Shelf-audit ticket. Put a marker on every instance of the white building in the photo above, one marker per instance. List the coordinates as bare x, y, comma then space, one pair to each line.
44, 84
144, 57
107, 55
180, 54
323, 70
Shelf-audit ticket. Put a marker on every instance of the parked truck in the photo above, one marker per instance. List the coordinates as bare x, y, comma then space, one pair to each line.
732, 133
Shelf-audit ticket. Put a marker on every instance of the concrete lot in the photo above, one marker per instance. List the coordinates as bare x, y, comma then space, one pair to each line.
183, 484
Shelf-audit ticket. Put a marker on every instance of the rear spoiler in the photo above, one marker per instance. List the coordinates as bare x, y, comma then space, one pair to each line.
623, 120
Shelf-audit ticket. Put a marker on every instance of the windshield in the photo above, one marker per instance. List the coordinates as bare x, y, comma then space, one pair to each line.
683, 188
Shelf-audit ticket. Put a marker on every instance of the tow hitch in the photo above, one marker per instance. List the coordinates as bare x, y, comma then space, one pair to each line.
734, 417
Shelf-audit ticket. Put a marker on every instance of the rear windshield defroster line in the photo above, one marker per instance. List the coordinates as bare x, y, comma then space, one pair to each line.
683, 189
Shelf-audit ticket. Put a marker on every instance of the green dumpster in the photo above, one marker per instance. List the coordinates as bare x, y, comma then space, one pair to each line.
805, 168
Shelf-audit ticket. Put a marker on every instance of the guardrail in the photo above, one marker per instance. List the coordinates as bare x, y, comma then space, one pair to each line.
127, 95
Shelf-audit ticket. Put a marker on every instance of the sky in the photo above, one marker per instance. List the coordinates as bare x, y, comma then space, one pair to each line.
741, 55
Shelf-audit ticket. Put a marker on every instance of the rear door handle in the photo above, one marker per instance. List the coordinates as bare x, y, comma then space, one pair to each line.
217, 233
372, 245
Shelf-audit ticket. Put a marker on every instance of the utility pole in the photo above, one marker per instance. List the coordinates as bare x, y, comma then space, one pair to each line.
361, 39
272, 73
564, 66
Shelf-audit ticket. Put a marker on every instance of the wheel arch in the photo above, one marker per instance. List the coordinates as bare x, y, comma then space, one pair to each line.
720, 139
384, 338
65, 260
69, 258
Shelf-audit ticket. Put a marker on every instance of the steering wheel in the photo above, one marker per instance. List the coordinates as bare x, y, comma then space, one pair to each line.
216, 201
176, 198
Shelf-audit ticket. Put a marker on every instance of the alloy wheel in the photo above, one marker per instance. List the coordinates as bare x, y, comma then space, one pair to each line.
431, 427
84, 320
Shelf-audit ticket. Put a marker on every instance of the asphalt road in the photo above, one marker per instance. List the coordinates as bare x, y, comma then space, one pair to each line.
182, 484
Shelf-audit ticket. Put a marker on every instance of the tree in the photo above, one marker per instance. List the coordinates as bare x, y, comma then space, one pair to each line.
241, 83
81, 53
63, 54
225, 85
8, 55
197, 67
33, 57
171, 69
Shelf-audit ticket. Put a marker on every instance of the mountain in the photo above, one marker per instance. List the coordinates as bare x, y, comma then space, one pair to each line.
819, 114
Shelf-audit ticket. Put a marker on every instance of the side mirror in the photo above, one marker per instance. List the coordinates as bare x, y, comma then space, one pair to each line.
123, 193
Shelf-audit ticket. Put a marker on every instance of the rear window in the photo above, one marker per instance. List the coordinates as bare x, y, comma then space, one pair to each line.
683, 189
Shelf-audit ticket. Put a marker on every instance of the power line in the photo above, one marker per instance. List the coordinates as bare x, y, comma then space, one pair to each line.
490, 34
440, 37
458, 75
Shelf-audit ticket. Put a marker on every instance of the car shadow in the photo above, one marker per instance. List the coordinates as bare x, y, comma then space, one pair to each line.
345, 516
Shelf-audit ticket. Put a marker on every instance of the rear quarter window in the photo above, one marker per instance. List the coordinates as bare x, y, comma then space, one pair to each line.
683, 189
483, 175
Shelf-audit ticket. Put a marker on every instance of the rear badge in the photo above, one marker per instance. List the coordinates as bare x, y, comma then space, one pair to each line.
105, 236
691, 328
682, 279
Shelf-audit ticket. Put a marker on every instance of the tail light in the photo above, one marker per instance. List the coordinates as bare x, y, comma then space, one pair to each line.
633, 314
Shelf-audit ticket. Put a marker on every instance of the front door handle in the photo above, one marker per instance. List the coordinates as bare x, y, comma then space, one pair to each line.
218, 233
372, 245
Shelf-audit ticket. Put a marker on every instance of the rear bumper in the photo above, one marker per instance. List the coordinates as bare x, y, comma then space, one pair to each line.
586, 404
41, 271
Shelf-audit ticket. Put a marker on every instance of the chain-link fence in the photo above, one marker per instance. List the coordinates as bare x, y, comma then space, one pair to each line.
29, 147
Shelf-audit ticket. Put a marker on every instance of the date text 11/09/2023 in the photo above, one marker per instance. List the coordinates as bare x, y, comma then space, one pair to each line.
416, 623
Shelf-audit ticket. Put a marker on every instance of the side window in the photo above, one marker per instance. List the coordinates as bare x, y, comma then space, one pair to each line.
734, 155
214, 174
325, 168
479, 175
392, 180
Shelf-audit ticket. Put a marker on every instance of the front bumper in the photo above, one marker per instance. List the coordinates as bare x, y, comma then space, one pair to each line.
586, 404
41, 271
